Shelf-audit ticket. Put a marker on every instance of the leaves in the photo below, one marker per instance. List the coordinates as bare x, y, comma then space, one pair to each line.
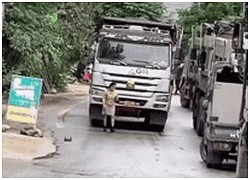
207, 12
45, 39
150, 11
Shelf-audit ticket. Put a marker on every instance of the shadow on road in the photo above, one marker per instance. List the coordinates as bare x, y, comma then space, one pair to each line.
228, 167
225, 166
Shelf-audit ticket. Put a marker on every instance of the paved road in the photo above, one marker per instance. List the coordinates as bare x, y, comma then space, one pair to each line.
126, 153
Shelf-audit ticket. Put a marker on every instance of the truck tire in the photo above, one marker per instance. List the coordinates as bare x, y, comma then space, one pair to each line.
194, 124
155, 120
92, 122
95, 115
200, 120
184, 102
214, 159
203, 151
199, 127
213, 165
160, 128
194, 117
195, 110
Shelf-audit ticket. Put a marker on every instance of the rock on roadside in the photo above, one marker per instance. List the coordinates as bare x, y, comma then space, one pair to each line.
5, 127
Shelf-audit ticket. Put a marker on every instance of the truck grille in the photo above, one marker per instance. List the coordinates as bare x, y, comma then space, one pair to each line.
132, 76
136, 101
142, 84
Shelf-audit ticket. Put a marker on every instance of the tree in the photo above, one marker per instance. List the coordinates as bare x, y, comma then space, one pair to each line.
207, 12
45, 39
33, 31
150, 11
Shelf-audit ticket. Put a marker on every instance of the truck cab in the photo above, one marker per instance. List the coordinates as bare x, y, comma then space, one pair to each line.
137, 55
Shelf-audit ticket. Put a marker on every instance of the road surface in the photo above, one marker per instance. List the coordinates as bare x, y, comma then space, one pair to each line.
128, 152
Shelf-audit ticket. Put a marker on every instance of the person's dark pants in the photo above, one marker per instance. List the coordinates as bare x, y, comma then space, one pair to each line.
177, 85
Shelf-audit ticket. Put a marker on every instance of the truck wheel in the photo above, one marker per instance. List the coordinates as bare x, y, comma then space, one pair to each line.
203, 151
213, 160
209, 165
195, 117
184, 102
199, 127
195, 109
92, 122
194, 123
199, 122
160, 128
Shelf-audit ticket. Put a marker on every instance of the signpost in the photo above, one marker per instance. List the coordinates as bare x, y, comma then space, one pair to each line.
24, 99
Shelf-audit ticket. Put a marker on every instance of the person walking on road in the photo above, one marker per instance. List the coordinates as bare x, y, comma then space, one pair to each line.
110, 97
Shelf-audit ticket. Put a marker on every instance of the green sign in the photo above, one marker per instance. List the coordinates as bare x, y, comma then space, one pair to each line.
25, 91
24, 99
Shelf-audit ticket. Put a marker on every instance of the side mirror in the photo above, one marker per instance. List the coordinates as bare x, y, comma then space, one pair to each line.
204, 104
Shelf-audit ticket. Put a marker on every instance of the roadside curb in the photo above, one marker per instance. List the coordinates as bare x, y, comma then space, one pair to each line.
15, 146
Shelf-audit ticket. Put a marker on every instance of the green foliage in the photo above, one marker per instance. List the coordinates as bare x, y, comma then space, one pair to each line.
207, 12
45, 39
78, 28
34, 33
150, 11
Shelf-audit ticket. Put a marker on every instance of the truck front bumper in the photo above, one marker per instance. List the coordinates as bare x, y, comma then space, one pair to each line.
223, 145
157, 117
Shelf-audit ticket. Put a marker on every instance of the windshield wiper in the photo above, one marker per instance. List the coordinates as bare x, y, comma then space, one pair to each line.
149, 64
119, 62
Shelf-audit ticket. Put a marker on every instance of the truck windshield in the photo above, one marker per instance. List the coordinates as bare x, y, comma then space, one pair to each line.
135, 54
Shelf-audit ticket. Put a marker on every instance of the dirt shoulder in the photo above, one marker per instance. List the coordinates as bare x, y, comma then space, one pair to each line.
50, 101
16, 146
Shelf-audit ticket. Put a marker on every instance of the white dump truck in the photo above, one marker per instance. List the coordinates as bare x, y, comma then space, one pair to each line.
137, 55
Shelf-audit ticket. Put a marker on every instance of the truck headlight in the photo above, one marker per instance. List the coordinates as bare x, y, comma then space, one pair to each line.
226, 133
162, 98
96, 92
221, 146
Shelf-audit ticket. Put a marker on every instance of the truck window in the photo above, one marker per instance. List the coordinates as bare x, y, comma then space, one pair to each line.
134, 53
228, 76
